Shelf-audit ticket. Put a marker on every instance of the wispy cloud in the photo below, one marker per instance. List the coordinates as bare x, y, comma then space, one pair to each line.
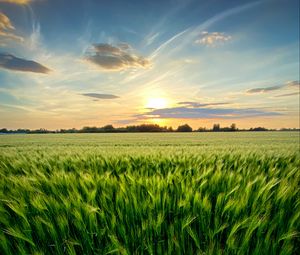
289, 84
124, 46
288, 94
295, 84
115, 58
157, 29
212, 39
197, 105
21, 2
149, 39
166, 43
10, 62
264, 90
191, 33
7, 29
100, 96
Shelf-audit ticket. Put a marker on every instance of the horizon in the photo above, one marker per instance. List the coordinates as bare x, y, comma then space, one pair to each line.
164, 128
168, 63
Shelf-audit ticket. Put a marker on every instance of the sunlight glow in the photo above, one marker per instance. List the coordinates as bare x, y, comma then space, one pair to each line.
161, 122
156, 103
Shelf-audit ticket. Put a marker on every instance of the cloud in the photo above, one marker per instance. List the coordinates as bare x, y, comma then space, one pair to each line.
199, 111
5, 23
100, 96
115, 58
21, 2
289, 84
212, 39
194, 110
10, 62
166, 43
6, 29
263, 90
197, 105
295, 84
124, 46
191, 33
288, 94
151, 38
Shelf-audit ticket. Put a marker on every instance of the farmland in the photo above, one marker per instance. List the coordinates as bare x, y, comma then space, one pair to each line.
173, 193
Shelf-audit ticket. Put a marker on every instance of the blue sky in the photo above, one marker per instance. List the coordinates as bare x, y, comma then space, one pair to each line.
67, 64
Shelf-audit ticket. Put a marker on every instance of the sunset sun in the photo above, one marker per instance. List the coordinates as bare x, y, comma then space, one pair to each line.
156, 103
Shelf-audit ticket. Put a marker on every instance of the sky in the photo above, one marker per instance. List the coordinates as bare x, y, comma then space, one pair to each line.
66, 64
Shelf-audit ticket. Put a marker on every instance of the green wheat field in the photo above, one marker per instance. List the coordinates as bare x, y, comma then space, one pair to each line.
157, 193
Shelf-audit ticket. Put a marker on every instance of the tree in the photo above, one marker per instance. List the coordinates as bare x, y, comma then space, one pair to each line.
201, 129
233, 127
3, 130
89, 130
258, 129
184, 128
170, 129
216, 127
108, 128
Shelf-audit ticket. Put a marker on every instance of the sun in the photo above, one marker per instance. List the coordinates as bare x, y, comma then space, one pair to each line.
156, 103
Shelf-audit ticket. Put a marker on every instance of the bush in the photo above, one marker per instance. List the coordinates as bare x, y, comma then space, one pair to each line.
184, 128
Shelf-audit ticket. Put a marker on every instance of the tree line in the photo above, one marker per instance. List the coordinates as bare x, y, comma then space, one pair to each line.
140, 128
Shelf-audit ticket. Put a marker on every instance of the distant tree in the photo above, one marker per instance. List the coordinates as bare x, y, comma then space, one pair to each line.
258, 129
89, 130
233, 127
289, 129
225, 129
108, 128
150, 128
184, 128
144, 128
138, 128
72, 130
41, 131
216, 127
131, 129
4, 130
201, 129
170, 129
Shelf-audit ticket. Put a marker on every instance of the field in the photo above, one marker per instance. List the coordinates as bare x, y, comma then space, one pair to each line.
173, 193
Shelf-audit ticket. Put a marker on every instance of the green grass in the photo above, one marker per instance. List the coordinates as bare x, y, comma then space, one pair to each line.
196, 193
